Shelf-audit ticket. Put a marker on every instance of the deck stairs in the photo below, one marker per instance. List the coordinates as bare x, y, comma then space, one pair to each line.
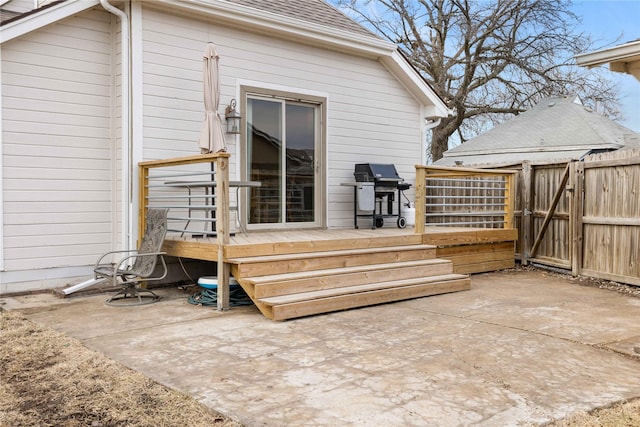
291, 281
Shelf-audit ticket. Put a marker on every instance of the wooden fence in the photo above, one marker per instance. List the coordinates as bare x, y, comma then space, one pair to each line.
582, 216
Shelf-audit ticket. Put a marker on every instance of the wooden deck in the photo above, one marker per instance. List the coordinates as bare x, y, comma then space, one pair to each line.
298, 273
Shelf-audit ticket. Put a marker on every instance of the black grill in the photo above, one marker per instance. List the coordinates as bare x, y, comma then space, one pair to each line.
384, 176
386, 182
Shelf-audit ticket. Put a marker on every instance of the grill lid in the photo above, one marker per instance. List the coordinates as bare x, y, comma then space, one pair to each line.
372, 172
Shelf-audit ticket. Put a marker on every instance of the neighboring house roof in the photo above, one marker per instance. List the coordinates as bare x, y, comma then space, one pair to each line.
307, 21
558, 128
624, 58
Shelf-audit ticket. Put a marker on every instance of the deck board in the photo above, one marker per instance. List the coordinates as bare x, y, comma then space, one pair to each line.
464, 245
432, 235
362, 299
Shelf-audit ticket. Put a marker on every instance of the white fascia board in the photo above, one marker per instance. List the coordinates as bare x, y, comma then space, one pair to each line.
625, 52
415, 84
45, 17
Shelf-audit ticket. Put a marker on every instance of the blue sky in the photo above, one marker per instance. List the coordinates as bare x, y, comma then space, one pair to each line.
611, 23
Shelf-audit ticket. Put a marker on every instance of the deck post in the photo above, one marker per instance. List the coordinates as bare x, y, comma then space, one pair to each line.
421, 191
143, 193
510, 200
222, 229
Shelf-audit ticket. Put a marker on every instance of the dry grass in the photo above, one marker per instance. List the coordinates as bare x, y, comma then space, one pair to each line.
626, 414
50, 379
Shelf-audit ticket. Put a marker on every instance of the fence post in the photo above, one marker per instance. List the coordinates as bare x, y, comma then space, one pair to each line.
576, 213
421, 198
222, 228
527, 223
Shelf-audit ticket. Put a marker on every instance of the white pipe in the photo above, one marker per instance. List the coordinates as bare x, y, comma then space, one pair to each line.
430, 123
127, 219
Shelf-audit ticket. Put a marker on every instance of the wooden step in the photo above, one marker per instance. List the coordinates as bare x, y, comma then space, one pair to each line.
290, 263
282, 284
313, 241
324, 301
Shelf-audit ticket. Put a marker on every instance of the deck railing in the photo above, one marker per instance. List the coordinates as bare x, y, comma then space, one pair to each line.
195, 189
464, 197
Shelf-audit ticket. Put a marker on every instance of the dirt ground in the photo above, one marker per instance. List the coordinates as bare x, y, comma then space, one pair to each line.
50, 379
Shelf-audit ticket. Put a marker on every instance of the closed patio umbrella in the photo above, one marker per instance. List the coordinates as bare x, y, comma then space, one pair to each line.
211, 133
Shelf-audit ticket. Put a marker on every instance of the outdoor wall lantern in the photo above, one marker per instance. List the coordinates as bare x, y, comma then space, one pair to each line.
233, 118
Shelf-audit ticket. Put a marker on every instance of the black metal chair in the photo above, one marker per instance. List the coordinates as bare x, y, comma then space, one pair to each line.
138, 265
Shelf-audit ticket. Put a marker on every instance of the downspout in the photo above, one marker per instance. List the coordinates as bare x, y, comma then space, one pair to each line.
127, 226
429, 123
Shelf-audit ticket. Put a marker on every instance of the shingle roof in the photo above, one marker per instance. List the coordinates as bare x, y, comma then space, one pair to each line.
7, 16
556, 128
314, 11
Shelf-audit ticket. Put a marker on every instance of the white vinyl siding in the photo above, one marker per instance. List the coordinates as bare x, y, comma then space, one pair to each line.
371, 116
57, 144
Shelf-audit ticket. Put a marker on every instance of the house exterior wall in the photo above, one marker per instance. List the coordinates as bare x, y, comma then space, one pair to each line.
371, 116
58, 155
63, 165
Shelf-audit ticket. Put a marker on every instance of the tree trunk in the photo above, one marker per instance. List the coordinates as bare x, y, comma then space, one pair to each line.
439, 142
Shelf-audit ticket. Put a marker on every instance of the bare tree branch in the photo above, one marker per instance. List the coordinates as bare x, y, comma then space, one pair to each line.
489, 60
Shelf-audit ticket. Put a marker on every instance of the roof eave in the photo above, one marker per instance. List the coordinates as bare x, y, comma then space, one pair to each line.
39, 19
622, 53
416, 85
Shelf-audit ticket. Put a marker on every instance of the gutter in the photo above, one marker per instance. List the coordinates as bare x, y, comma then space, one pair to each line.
127, 218
625, 52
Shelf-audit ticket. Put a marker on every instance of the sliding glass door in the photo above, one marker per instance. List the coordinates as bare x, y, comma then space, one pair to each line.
283, 147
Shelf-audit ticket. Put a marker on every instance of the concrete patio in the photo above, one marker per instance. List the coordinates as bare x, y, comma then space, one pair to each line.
519, 348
